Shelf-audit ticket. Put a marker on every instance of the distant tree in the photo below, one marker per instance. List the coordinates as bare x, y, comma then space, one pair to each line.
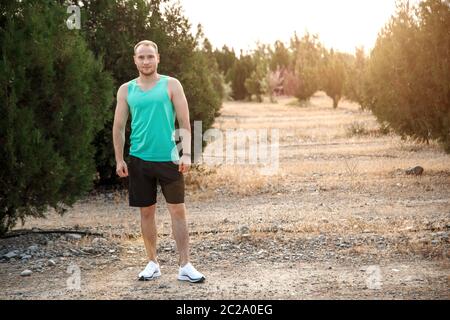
355, 77
256, 84
225, 59
332, 75
279, 57
241, 70
307, 59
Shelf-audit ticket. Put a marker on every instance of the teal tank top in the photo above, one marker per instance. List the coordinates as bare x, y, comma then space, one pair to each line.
152, 122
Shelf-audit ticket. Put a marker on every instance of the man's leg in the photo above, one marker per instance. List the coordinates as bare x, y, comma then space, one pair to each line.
180, 230
149, 232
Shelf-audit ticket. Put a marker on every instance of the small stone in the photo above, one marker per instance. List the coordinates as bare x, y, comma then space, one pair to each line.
51, 262
32, 248
11, 254
25, 256
88, 249
26, 273
417, 171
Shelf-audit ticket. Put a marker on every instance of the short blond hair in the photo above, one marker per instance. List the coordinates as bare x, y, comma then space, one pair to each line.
146, 43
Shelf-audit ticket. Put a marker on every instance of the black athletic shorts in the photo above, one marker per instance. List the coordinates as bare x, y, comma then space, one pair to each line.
143, 177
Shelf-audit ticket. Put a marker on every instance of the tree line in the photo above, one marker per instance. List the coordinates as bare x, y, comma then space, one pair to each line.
404, 80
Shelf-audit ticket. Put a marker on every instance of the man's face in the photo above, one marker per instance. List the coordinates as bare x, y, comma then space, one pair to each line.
146, 60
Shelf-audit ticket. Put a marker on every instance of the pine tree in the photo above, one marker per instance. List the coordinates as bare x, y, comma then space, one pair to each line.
307, 59
55, 97
241, 71
332, 73
408, 78
256, 84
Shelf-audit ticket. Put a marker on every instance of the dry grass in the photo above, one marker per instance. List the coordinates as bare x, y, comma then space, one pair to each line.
242, 180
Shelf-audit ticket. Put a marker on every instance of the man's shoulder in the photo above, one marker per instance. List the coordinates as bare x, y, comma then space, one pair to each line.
173, 81
123, 89
124, 86
128, 83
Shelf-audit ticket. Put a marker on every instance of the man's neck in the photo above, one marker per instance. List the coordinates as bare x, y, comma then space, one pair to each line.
148, 79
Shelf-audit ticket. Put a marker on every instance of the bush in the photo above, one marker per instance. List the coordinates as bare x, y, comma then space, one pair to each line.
408, 78
55, 98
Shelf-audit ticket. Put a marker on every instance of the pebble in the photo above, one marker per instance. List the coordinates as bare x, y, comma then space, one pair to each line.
26, 273
33, 248
88, 250
417, 170
11, 254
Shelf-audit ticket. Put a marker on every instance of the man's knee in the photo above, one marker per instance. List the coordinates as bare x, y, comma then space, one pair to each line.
148, 212
177, 210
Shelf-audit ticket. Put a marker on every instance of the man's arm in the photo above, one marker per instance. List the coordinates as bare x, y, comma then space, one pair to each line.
182, 110
120, 122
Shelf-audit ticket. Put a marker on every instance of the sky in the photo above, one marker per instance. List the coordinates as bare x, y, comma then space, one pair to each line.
340, 24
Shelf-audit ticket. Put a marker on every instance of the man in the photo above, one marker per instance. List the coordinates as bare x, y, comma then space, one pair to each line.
153, 100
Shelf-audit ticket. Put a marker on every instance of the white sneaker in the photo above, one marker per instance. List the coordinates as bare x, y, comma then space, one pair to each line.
150, 272
189, 273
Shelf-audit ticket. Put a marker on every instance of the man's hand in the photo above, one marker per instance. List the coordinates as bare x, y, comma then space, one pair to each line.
122, 169
185, 164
